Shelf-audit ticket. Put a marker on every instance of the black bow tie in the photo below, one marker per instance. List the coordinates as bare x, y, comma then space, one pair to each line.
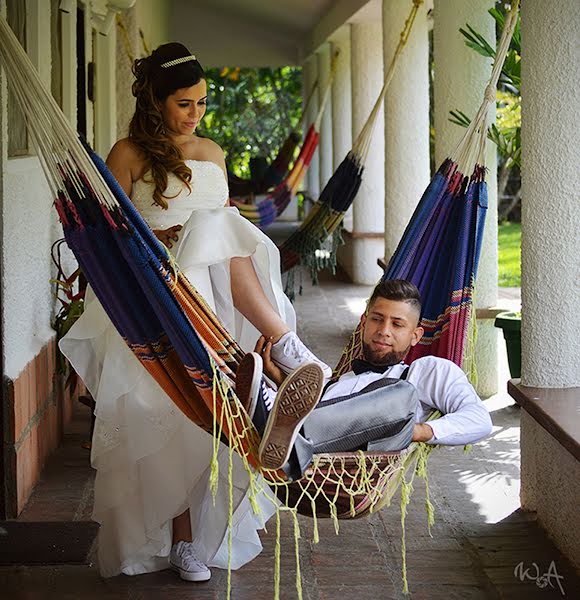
360, 365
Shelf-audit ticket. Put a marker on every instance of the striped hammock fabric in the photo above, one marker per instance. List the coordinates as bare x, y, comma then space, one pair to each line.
266, 211
273, 175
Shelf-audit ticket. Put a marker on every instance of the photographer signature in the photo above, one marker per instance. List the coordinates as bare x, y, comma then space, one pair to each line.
532, 573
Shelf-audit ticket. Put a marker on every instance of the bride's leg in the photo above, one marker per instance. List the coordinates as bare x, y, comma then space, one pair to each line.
249, 298
182, 528
181, 558
288, 351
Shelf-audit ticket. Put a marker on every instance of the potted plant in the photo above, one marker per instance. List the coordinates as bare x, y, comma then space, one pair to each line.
511, 324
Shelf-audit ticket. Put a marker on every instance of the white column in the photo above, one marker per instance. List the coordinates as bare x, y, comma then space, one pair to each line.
105, 92
550, 192
369, 208
407, 172
325, 144
310, 76
460, 78
342, 104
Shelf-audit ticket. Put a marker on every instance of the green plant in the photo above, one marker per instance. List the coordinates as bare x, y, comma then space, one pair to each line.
251, 111
70, 294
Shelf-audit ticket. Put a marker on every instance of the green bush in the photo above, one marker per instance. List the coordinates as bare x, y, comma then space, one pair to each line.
251, 111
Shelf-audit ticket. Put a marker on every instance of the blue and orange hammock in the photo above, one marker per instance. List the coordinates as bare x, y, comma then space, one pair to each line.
179, 340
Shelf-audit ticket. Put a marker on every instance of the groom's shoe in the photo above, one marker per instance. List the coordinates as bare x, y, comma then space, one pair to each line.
256, 398
248, 378
296, 398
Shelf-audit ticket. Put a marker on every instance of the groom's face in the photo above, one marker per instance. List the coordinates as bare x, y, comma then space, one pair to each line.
390, 329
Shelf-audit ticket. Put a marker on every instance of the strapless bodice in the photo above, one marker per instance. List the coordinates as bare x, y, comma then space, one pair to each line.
209, 190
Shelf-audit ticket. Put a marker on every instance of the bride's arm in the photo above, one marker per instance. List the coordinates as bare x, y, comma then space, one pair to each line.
125, 164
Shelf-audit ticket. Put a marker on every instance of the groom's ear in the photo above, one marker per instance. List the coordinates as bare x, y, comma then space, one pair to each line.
417, 335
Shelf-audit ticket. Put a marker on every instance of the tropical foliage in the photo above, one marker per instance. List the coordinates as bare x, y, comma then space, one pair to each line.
251, 111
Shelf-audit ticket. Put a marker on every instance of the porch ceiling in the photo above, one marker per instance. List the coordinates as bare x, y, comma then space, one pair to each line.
258, 32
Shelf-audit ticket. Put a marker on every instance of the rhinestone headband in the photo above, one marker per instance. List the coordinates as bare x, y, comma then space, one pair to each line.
178, 61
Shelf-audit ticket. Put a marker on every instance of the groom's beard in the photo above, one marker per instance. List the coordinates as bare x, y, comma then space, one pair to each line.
387, 359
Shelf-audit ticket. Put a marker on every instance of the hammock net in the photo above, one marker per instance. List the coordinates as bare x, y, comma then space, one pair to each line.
180, 341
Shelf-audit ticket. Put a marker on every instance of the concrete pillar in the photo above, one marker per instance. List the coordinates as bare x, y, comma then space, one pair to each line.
342, 104
105, 92
324, 56
367, 237
550, 192
310, 75
407, 172
460, 78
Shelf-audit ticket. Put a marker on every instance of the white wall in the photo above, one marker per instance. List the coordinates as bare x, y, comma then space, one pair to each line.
28, 227
28, 232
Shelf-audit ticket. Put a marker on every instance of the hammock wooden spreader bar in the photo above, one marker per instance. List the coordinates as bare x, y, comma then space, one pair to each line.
304, 245
267, 210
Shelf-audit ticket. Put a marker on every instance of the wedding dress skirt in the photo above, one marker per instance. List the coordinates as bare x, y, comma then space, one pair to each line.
152, 462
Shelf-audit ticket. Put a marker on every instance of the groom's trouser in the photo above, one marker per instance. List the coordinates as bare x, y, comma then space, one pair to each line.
378, 418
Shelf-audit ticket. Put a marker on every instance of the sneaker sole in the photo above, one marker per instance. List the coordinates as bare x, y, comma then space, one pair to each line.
187, 576
247, 383
296, 398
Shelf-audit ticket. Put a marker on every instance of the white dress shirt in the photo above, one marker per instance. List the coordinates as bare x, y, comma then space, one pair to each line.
440, 385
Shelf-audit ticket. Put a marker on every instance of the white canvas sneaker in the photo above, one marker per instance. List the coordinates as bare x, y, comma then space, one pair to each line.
289, 353
183, 560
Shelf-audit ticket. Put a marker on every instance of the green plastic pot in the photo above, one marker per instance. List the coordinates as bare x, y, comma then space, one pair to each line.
511, 324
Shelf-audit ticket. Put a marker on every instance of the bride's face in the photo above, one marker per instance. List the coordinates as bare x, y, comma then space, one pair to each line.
183, 110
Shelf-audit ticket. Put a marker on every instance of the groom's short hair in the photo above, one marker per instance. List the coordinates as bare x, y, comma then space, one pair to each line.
399, 290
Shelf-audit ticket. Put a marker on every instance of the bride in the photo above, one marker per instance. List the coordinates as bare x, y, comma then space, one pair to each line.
152, 495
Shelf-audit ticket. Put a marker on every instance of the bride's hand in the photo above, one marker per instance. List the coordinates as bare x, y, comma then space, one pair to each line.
167, 236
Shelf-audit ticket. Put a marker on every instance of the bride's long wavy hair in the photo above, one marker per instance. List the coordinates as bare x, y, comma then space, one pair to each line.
153, 84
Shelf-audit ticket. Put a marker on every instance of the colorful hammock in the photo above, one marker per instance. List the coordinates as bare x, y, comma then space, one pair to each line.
272, 176
276, 170
179, 340
266, 211
305, 246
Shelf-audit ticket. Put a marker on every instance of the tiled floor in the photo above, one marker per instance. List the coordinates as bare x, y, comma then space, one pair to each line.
478, 540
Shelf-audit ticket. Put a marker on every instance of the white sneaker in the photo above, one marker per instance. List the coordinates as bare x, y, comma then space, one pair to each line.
183, 560
289, 353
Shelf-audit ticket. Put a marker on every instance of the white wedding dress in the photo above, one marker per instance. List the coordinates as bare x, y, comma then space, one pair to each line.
152, 462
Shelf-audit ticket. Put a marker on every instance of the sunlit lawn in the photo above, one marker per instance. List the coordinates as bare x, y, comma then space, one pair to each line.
509, 242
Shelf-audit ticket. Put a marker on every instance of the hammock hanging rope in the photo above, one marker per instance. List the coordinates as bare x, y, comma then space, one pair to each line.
180, 341
276, 170
303, 245
266, 211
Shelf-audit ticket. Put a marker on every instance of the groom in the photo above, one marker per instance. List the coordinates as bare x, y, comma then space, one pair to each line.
381, 405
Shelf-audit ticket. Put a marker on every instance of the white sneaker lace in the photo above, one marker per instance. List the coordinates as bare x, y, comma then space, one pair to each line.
189, 556
296, 349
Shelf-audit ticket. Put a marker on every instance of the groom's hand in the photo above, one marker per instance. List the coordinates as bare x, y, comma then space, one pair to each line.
263, 348
422, 432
